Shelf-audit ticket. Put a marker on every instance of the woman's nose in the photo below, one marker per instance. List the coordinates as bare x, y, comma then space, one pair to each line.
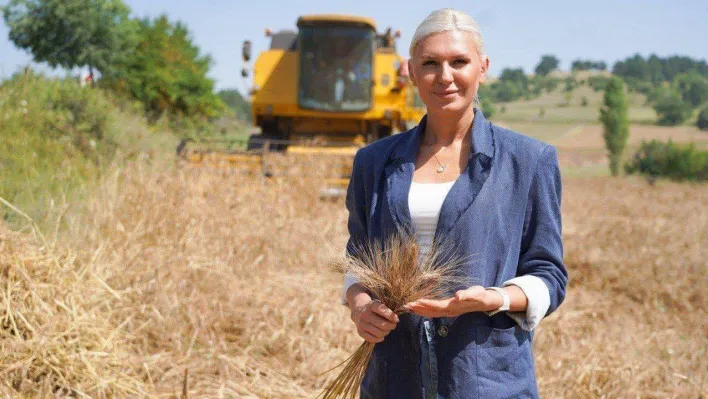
445, 75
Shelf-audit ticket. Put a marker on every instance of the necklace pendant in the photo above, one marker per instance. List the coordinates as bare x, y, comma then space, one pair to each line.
441, 169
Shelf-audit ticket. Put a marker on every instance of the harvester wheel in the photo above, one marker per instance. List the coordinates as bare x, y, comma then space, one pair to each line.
255, 142
259, 141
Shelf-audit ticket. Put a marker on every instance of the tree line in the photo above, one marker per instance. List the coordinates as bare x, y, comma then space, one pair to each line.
676, 87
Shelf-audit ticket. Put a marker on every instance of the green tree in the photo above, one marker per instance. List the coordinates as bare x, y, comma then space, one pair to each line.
656, 70
597, 82
670, 107
235, 101
167, 73
548, 64
506, 91
587, 65
693, 88
72, 33
488, 108
615, 121
515, 75
702, 121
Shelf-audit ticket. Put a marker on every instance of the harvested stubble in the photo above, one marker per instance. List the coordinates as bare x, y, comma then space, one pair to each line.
393, 273
56, 337
222, 275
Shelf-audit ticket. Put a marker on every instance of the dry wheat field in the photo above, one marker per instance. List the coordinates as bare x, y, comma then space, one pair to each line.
173, 282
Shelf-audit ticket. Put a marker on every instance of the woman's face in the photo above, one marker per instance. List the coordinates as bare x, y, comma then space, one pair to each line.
447, 70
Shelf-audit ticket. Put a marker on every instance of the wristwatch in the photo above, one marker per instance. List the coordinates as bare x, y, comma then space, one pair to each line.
506, 301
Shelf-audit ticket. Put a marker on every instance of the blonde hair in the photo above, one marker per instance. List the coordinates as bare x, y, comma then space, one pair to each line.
445, 20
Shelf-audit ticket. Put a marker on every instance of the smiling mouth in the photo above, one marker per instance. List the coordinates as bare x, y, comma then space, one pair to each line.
446, 93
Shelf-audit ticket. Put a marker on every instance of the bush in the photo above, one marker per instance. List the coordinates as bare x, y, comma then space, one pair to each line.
57, 136
598, 83
506, 91
670, 108
659, 159
640, 86
569, 85
702, 121
693, 88
488, 108
539, 84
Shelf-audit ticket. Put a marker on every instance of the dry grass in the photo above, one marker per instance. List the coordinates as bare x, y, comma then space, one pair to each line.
634, 324
581, 147
221, 276
55, 334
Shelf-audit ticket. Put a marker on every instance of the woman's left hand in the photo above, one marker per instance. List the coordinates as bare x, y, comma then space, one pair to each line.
473, 299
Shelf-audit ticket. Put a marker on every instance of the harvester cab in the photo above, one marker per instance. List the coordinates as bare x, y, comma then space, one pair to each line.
326, 90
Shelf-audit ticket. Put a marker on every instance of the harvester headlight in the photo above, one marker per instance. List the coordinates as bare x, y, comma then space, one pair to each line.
268, 109
388, 114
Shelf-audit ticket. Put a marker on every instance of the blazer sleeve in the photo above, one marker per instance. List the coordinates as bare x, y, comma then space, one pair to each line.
541, 242
356, 205
356, 224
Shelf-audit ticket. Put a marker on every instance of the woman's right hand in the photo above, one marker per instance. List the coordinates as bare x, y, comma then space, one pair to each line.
373, 319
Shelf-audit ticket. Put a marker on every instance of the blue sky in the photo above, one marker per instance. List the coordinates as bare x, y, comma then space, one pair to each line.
516, 33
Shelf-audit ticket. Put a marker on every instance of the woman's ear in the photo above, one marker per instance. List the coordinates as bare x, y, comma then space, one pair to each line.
484, 68
411, 74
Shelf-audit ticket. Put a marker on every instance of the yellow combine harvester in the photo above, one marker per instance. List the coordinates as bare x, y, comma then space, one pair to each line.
325, 90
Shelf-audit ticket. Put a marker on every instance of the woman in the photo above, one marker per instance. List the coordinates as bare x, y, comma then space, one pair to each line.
495, 195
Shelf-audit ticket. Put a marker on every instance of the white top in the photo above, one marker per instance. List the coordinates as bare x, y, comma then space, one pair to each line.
425, 202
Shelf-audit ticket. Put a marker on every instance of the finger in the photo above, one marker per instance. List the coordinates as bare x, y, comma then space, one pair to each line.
433, 303
379, 322
463, 295
425, 311
370, 338
373, 330
383, 310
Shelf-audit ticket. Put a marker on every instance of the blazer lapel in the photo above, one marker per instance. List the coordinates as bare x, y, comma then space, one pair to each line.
468, 185
398, 175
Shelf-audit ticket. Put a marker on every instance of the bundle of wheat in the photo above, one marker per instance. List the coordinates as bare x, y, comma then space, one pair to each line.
394, 273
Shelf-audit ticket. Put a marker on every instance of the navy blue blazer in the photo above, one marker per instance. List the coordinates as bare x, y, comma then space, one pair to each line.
503, 216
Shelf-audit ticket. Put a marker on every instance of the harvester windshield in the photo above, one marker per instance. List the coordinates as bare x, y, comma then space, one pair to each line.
336, 68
